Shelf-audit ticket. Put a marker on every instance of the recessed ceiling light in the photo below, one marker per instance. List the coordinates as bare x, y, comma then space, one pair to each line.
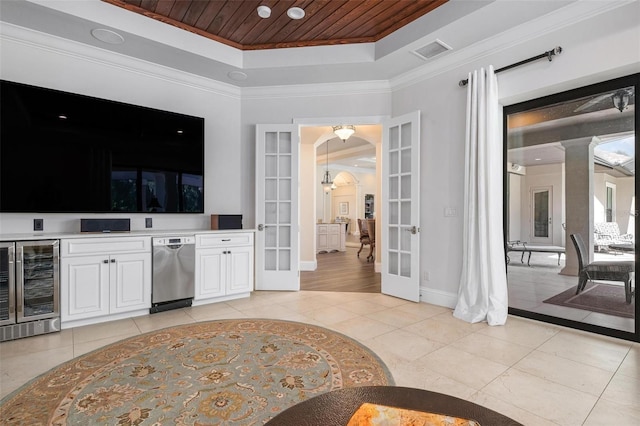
295, 13
62, 117
180, 132
538, 159
237, 75
107, 36
264, 11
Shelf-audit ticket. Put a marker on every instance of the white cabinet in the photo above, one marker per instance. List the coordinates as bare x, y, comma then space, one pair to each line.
104, 276
84, 290
224, 265
330, 237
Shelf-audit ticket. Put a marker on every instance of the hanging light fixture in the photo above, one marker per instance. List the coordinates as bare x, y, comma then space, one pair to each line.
343, 132
620, 100
327, 183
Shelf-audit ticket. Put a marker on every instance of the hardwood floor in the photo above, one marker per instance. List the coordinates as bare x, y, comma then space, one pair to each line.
342, 271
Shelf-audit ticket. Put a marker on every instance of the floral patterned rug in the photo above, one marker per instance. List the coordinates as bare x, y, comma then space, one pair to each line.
227, 372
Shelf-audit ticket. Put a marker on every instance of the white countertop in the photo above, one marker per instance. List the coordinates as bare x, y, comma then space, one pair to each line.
139, 233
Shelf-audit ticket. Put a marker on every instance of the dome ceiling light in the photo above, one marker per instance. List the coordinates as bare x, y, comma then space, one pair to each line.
343, 132
295, 13
264, 11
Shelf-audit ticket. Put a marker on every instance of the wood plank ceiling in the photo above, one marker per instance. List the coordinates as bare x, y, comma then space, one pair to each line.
326, 22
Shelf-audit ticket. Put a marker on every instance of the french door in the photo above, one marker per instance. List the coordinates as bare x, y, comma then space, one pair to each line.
401, 207
277, 236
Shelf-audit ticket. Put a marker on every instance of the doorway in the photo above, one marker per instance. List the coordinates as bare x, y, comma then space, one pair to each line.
345, 172
541, 208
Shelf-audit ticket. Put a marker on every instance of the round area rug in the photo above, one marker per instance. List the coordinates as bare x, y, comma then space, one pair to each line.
227, 372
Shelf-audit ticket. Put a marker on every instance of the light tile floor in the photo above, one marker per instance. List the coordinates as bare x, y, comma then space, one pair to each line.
536, 373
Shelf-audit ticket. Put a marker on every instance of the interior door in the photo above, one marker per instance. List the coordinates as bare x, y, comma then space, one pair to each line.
277, 236
400, 245
541, 214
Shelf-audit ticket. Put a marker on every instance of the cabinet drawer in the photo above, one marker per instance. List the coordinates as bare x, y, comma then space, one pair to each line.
111, 245
224, 240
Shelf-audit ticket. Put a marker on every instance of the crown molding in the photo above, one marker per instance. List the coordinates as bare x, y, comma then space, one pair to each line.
322, 89
10, 33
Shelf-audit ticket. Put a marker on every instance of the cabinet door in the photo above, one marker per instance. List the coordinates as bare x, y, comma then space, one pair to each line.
85, 292
240, 277
130, 282
211, 270
334, 241
322, 242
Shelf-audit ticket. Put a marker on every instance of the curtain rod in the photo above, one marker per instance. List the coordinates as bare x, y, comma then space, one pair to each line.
549, 54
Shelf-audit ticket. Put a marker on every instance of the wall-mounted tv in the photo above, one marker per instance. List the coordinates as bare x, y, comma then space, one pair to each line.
62, 153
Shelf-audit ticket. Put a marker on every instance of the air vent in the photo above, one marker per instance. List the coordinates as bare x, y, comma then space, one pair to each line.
431, 50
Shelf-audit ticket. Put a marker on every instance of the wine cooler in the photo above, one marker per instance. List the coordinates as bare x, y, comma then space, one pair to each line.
29, 288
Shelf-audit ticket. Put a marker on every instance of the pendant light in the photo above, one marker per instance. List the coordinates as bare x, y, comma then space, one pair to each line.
343, 132
327, 184
620, 100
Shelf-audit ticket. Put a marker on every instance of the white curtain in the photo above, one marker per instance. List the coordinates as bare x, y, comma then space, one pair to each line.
483, 284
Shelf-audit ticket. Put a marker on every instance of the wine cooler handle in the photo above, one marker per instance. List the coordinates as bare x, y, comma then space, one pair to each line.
20, 282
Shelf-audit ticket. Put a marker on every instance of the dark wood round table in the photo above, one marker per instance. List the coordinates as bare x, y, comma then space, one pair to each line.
335, 408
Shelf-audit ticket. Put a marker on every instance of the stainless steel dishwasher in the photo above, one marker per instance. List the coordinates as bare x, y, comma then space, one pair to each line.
174, 264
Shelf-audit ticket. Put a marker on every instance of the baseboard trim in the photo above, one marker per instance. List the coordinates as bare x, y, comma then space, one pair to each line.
308, 265
438, 297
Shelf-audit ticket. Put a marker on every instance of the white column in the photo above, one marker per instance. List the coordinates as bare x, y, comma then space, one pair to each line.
578, 198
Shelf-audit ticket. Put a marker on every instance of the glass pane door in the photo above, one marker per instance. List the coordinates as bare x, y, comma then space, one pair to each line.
401, 207
38, 293
570, 160
541, 202
7, 284
277, 207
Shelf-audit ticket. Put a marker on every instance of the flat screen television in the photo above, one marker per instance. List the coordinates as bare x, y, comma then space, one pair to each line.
62, 153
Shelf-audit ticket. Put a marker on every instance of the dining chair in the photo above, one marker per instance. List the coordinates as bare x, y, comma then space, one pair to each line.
371, 228
364, 235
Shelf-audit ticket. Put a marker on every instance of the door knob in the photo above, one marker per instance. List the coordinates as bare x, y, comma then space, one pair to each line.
414, 230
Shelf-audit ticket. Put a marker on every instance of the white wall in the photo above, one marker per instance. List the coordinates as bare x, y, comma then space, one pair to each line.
624, 203
31, 58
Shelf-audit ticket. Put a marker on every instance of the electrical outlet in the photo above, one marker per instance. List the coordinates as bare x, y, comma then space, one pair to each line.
425, 276
148, 222
38, 224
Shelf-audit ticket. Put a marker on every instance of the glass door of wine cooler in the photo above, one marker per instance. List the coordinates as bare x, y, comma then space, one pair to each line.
7, 284
37, 267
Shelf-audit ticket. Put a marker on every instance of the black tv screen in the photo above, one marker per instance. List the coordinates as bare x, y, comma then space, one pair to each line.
62, 152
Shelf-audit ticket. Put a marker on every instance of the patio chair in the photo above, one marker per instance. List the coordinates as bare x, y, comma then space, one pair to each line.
607, 233
602, 270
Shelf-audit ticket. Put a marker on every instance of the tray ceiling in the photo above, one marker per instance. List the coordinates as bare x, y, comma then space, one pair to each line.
326, 22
